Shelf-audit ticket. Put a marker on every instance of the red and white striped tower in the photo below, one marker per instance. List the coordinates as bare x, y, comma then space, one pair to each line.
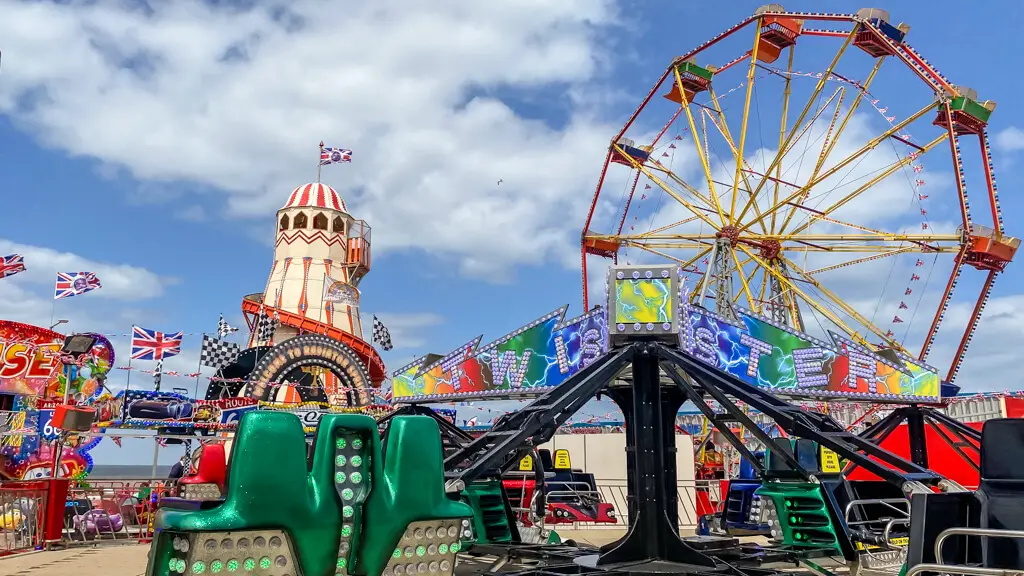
317, 242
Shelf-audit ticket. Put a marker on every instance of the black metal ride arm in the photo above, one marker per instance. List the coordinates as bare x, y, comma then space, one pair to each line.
737, 415
517, 433
818, 427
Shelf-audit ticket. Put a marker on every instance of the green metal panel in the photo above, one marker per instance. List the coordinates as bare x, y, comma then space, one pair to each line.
798, 515
695, 70
490, 521
269, 488
412, 490
971, 107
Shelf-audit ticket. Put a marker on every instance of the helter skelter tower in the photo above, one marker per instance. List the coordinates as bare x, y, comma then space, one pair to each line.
318, 247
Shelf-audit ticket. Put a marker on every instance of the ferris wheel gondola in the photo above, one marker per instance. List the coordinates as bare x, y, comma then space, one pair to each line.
781, 165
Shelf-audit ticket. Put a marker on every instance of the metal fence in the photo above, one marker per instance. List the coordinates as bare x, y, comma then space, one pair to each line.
116, 511
22, 509
615, 493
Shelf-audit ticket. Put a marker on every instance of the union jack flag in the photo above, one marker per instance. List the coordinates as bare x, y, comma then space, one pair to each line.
11, 265
75, 283
334, 155
152, 345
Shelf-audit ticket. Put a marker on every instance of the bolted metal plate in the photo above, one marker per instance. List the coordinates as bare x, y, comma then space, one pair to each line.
428, 548
251, 552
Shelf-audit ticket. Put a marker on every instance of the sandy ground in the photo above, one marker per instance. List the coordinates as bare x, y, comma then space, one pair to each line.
130, 559
118, 560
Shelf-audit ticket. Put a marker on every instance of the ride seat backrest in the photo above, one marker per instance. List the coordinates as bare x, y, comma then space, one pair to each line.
545, 459
1001, 490
412, 489
807, 455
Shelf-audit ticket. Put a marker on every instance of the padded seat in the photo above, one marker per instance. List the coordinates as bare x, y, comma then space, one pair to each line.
1001, 491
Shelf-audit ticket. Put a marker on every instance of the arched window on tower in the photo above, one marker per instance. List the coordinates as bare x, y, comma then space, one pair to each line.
339, 225
320, 221
284, 222
300, 221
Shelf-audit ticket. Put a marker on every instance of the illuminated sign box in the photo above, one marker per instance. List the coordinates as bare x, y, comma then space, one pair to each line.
643, 301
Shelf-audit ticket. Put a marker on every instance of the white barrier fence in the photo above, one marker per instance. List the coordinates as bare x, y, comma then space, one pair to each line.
615, 492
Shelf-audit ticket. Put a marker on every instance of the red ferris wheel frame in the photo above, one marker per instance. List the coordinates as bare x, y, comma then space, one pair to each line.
984, 248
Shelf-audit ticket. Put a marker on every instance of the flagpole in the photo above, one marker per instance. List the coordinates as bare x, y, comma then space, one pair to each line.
128, 384
319, 164
200, 367
156, 439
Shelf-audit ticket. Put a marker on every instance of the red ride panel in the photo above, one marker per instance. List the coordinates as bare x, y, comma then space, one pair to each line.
942, 458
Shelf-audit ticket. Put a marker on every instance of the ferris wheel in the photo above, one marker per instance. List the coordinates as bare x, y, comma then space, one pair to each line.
811, 168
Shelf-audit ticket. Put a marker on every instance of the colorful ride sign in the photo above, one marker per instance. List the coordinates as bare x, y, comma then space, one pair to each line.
29, 358
529, 360
770, 355
644, 302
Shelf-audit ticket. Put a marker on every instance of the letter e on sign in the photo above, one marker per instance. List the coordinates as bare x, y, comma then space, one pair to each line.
562, 459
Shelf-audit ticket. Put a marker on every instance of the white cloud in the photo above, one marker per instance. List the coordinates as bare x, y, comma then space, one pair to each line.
410, 330
120, 281
238, 98
1010, 139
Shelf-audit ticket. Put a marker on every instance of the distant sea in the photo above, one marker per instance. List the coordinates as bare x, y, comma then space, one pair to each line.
102, 471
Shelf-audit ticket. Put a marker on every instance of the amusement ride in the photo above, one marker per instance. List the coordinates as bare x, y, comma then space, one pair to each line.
750, 192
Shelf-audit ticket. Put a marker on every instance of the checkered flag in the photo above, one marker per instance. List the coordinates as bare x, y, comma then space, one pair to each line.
266, 325
217, 353
381, 335
223, 328
157, 374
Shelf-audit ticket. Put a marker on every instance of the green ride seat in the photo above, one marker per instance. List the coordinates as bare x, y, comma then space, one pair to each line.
348, 514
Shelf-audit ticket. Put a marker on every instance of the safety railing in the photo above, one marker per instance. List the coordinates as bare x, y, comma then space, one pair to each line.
615, 492
22, 509
114, 511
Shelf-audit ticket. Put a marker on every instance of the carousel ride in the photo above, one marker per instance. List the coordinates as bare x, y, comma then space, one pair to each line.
386, 497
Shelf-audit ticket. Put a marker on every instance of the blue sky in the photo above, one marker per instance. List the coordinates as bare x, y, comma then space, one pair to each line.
154, 146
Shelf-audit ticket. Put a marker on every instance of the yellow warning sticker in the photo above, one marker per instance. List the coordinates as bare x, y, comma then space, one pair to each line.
829, 461
562, 460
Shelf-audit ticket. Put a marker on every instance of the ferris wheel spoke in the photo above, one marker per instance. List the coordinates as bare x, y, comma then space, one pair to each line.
892, 169
743, 279
813, 303
685, 264
822, 156
831, 143
776, 163
862, 260
723, 129
871, 145
700, 149
750, 282
738, 150
846, 308
682, 222
668, 190
917, 247
864, 87
786, 93
803, 114
659, 167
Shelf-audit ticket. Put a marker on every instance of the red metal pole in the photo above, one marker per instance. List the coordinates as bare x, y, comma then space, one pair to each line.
988, 181
971, 325
946, 295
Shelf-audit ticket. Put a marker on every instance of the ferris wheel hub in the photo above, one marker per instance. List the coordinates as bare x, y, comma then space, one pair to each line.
730, 233
770, 249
